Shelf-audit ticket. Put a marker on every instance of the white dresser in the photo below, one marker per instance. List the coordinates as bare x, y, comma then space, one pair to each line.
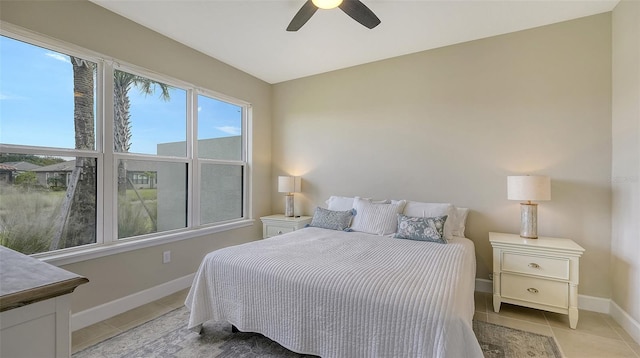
35, 305
273, 225
539, 273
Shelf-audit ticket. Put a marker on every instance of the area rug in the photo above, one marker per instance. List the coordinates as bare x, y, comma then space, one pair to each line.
167, 336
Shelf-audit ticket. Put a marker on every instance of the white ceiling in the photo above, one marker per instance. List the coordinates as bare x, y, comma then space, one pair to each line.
251, 36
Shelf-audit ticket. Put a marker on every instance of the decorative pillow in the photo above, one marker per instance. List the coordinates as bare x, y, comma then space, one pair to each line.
460, 222
430, 210
376, 218
330, 219
421, 229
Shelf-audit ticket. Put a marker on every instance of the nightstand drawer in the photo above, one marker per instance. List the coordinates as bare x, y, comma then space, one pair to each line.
278, 230
551, 293
536, 265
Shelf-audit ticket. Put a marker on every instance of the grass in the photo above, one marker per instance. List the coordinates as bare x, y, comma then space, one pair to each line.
27, 217
146, 194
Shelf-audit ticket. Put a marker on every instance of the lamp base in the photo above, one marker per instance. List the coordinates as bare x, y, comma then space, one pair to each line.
529, 220
288, 205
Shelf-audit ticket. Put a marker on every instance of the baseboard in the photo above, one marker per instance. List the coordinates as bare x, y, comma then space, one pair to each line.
625, 321
483, 285
595, 304
107, 310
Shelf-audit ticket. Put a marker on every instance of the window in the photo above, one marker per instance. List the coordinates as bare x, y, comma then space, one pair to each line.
42, 92
174, 158
48, 199
219, 129
220, 153
144, 209
148, 114
150, 118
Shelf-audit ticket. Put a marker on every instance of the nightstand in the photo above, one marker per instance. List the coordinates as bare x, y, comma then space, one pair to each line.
539, 273
273, 225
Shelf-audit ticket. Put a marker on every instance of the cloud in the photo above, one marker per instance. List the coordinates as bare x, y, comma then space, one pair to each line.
59, 57
230, 130
4, 96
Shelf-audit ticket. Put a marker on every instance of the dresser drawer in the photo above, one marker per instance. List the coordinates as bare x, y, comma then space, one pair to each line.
536, 265
531, 289
278, 230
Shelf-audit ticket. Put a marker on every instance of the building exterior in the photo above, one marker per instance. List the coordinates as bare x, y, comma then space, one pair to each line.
57, 174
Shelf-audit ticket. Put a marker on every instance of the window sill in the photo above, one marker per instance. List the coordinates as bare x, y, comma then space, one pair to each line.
100, 250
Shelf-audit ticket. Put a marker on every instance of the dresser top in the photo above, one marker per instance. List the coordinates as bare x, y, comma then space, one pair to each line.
541, 242
24, 280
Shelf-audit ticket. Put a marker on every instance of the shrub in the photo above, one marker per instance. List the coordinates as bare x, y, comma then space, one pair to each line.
26, 180
26, 219
133, 220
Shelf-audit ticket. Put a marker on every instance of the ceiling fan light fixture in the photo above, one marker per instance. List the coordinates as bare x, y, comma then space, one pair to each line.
354, 8
327, 4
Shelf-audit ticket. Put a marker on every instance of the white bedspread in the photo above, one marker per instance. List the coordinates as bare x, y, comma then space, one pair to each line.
344, 294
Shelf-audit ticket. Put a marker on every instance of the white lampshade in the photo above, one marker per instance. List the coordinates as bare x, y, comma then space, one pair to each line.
289, 184
326, 4
529, 187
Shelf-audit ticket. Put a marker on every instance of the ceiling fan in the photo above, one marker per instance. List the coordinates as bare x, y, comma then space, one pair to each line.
354, 8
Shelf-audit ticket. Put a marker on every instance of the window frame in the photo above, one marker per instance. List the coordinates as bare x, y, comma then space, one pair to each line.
107, 242
198, 162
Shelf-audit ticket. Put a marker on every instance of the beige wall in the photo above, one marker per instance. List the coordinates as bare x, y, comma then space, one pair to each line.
85, 24
625, 173
449, 125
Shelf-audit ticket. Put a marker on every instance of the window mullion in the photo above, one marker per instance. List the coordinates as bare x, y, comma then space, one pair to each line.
99, 147
195, 192
247, 139
109, 189
193, 186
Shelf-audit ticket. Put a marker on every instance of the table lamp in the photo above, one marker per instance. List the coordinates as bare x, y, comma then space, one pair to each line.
289, 185
529, 187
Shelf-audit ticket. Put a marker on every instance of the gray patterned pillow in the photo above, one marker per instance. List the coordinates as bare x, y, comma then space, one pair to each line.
421, 229
334, 220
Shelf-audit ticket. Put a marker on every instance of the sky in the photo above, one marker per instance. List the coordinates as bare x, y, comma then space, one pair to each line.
36, 105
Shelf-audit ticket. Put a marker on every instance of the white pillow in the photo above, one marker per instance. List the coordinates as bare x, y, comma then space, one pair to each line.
375, 217
427, 210
460, 222
339, 203
344, 203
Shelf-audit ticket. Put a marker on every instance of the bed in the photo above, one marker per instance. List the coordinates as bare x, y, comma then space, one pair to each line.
344, 294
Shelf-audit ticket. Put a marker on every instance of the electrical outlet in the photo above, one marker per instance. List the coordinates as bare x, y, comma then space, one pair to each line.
166, 257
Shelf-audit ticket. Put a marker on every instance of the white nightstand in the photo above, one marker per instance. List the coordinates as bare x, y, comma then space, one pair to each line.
539, 273
273, 225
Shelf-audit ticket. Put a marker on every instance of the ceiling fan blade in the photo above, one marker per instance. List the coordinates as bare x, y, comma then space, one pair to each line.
304, 14
360, 12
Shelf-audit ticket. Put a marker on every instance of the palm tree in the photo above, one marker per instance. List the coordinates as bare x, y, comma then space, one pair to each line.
123, 81
77, 218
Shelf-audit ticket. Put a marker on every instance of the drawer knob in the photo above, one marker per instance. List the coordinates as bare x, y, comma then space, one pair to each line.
534, 265
280, 232
532, 290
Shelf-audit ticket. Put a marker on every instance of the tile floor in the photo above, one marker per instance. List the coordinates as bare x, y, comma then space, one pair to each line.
597, 334
113, 326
